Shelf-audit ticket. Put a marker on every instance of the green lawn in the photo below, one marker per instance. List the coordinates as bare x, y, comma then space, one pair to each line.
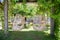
26, 35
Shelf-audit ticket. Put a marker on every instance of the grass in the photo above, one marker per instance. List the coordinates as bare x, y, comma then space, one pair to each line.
26, 35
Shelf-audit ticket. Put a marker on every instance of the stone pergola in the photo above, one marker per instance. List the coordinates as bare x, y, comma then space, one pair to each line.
6, 14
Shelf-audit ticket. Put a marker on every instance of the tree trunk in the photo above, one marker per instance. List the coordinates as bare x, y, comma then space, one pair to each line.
52, 22
5, 17
52, 26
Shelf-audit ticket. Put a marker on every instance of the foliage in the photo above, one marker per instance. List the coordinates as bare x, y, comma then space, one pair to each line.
46, 5
1, 6
43, 6
56, 16
24, 10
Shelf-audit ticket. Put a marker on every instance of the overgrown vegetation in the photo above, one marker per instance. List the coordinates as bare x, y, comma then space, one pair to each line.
43, 6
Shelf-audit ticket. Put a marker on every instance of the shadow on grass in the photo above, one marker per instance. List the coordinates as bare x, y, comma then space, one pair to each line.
27, 35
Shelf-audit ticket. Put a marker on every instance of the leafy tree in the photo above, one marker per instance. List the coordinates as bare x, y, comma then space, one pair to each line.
53, 7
